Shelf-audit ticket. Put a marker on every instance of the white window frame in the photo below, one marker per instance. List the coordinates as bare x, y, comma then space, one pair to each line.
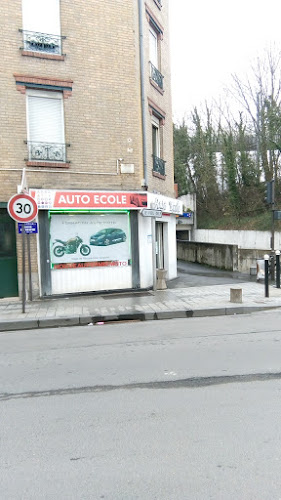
62, 148
153, 49
155, 125
34, 23
46, 94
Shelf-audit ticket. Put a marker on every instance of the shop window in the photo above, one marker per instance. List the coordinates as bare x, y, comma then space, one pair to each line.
45, 127
41, 29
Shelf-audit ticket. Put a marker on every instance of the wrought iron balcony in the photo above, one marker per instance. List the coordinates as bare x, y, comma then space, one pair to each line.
46, 151
156, 76
158, 165
34, 41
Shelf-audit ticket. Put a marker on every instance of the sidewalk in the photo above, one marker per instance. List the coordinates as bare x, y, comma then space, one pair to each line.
212, 300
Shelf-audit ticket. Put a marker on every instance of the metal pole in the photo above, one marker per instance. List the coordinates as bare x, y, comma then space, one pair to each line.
23, 270
153, 252
272, 226
277, 268
272, 246
266, 289
29, 267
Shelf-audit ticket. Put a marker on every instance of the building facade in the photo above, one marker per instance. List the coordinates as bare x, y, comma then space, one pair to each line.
86, 110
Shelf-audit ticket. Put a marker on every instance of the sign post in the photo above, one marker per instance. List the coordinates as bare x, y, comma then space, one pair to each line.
23, 209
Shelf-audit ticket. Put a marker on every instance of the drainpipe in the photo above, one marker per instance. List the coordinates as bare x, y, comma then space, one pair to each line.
143, 106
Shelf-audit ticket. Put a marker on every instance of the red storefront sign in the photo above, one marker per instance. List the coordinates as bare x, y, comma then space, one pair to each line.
80, 265
53, 199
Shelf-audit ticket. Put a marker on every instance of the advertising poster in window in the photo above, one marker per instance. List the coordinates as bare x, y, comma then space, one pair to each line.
89, 240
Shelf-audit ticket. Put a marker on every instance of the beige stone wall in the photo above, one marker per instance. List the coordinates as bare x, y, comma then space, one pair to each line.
102, 117
103, 113
165, 187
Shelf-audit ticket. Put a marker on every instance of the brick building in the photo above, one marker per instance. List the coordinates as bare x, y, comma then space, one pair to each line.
86, 110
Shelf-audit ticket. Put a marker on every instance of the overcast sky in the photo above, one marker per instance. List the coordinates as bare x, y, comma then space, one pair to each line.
212, 39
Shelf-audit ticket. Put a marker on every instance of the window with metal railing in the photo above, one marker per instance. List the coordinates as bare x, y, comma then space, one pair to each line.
156, 76
34, 41
46, 151
158, 165
45, 127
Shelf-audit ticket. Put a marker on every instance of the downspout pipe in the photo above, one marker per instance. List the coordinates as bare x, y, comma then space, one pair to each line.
143, 106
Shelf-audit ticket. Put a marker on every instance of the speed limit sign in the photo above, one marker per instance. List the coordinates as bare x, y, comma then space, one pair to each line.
22, 208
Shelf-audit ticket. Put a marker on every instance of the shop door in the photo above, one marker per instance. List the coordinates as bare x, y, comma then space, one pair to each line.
8, 256
159, 246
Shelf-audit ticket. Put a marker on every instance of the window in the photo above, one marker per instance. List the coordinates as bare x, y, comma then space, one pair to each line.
153, 46
45, 126
41, 26
155, 36
157, 128
158, 162
156, 146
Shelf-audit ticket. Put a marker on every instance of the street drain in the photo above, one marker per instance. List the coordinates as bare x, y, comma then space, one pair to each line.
115, 321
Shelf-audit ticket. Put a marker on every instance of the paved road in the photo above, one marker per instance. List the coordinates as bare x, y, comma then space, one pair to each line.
194, 275
185, 409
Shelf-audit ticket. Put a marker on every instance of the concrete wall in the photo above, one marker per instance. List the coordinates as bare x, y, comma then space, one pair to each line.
228, 257
247, 258
211, 254
243, 239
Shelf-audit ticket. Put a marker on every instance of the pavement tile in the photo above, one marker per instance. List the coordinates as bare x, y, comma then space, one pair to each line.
176, 302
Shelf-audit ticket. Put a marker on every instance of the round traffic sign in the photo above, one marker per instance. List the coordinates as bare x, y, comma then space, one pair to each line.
22, 208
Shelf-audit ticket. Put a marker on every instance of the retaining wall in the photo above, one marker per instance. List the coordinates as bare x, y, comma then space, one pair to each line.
222, 256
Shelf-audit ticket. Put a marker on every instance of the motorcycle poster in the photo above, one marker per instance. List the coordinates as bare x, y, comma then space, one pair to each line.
82, 238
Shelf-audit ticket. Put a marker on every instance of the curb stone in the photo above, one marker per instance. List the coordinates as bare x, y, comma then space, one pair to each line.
61, 321
21, 324
28, 324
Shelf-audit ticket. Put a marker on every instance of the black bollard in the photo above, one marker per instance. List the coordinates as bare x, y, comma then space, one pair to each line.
277, 268
266, 288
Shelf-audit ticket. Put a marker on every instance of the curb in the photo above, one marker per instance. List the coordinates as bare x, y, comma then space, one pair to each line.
31, 324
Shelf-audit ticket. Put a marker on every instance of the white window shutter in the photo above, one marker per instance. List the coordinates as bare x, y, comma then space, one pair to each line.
41, 16
153, 48
45, 119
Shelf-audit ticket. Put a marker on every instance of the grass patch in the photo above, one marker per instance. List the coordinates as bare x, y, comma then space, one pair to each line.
257, 222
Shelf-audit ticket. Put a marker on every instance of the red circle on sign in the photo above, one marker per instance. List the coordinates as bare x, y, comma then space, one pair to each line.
22, 208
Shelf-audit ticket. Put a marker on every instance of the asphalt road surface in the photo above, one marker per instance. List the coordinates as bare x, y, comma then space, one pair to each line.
191, 275
169, 410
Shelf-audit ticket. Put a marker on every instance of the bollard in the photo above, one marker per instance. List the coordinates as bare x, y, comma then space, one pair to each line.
266, 289
277, 268
236, 295
161, 279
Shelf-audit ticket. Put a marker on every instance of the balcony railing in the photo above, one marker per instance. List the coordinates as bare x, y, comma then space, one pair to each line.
46, 151
156, 76
158, 165
34, 41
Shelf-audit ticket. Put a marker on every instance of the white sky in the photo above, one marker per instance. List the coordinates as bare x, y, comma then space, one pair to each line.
210, 39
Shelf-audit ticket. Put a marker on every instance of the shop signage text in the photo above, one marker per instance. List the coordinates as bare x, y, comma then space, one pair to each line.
165, 204
53, 199
79, 265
